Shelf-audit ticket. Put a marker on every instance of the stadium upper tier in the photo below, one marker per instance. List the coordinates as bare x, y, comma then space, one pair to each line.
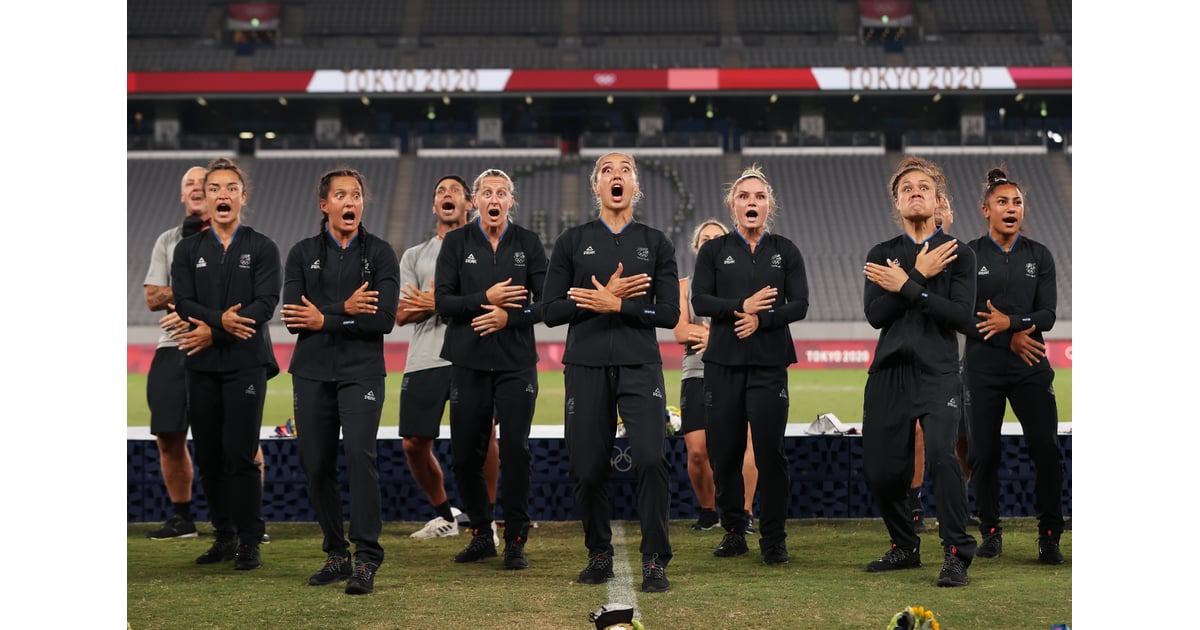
835, 207
190, 35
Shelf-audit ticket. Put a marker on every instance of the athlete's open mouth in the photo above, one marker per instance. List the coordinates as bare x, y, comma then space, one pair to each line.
448, 206
493, 212
618, 191
752, 214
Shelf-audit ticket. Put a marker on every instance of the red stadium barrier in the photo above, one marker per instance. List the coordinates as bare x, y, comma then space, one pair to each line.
810, 355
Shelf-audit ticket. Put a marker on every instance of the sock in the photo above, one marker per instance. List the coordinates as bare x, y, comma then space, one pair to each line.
443, 511
183, 510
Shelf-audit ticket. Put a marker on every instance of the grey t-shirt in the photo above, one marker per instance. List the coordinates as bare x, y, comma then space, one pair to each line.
159, 273
417, 267
693, 365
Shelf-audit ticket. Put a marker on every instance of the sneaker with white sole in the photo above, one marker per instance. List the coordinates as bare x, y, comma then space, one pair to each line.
896, 558
438, 527
175, 527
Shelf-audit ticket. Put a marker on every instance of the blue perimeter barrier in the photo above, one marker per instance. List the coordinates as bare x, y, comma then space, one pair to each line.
825, 470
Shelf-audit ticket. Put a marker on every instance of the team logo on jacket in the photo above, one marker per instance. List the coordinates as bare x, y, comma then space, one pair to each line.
519, 259
643, 253
983, 271
783, 393
952, 403
244, 261
776, 261
316, 264
370, 395
589, 251
1031, 270
729, 260
250, 390
404, 384
200, 264
470, 259
657, 393
895, 261
529, 389
571, 406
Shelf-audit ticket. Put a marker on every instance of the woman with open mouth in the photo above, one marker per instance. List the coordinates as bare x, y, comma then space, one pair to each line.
488, 286
752, 284
226, 281
1015, 301
340, 294
613, 280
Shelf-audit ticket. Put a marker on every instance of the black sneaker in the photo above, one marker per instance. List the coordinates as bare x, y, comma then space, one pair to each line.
750, 524
654, 578
896, 558
954, 570
362, 580
481, 546
733, 544
514, 554
1048, 551
266, 539
248, 558
336, 569
220, 551
992, 545
708, 520
775, 554
175, 527
598, 570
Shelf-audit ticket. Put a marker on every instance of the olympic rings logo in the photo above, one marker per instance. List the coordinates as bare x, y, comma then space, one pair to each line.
622, 460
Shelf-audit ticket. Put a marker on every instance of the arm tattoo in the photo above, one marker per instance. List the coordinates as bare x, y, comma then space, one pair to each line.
157, 297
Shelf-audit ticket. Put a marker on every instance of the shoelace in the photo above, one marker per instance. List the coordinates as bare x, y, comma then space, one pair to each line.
333, 564
953, 564
599, 562
479, 542
654, 571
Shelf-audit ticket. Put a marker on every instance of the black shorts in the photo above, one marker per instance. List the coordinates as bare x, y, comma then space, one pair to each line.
693, 415
423, 397
166, 392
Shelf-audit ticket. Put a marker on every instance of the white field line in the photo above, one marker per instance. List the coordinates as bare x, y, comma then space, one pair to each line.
620, 587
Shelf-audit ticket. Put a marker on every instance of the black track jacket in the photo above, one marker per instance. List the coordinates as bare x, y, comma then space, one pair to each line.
604, 339
918, 324
1020, 283
466, 268
207, 279
726, 274
348, 347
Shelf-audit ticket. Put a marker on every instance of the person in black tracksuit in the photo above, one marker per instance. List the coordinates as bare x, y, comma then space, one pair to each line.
488, 285
614, 281
226, 282
340, 294
1016, 298
920, 287
753, 284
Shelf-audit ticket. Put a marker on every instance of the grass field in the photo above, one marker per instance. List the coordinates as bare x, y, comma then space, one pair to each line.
813, 392
419, 586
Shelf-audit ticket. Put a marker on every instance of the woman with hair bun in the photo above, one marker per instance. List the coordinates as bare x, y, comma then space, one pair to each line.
1015, 301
